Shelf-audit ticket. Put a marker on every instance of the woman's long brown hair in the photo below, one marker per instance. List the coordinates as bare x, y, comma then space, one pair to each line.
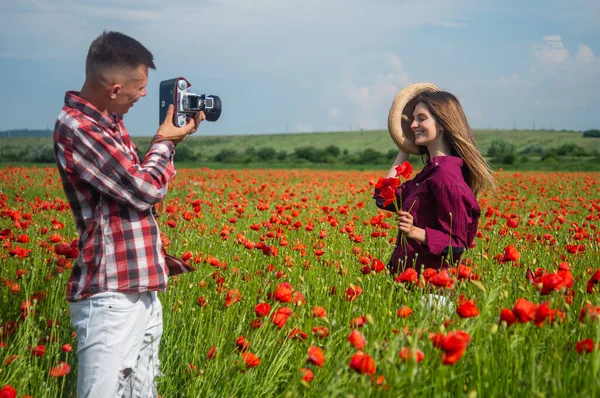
450, 115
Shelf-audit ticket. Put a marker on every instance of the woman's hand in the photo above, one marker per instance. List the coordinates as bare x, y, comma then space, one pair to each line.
406, 225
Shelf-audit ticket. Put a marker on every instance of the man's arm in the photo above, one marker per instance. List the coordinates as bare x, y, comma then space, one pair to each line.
98, 161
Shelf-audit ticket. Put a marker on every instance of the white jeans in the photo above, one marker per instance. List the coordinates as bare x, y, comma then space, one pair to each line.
117, 344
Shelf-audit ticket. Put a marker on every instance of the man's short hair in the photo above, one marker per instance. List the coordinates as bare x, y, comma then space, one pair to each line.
114, 50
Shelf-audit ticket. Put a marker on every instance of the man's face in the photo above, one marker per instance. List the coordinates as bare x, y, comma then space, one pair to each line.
128, 88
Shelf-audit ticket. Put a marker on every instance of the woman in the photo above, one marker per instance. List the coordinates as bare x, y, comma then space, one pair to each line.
439, 210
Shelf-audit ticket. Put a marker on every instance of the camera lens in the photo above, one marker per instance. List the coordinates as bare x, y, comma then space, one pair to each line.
213, 112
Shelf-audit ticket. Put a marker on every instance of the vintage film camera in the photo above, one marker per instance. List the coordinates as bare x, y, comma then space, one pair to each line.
175, 91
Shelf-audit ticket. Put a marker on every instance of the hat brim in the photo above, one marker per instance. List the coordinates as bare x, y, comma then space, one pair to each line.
401, 114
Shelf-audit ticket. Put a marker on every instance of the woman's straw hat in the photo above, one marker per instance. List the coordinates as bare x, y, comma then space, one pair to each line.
401, 114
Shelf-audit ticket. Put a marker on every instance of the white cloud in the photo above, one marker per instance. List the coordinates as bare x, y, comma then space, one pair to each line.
584, 55
334, 112
373, 98
552, 51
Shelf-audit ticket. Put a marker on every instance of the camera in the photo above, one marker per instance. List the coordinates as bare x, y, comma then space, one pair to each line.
187, 104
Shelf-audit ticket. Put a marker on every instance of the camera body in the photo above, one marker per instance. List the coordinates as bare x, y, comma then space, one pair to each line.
175, 92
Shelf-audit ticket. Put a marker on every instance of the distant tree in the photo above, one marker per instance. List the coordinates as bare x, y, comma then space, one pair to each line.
281, 155
184, 153
595, 133
309, 153
227, 155
502, 152
333, 151
391, 154
266, 154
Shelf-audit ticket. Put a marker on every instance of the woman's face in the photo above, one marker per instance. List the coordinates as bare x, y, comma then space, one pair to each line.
425, 127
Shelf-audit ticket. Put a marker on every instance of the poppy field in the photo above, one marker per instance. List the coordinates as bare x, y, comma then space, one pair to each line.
291, 296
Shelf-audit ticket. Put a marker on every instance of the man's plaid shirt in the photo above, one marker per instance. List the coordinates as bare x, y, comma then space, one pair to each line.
112, 194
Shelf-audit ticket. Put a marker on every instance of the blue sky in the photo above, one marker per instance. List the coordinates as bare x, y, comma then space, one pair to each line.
316, 65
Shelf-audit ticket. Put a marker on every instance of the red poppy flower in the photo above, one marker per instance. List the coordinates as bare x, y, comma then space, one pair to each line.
410, 275
592, 312
524, 310
299, 299
511, 254
256, 323
307, 375
507, 316
280, 317
512, 222
250, 360
262, 309
316, 356
8, 392
19, 252
38, 351
543, 312
212, 352
377, 265
442, 280
66, 348
404, 312
363, 363
319, 312
358, 322
411, 354
466, 308
387, 187
454, 345
464, 272
233, 296
593, 281
552, 282
429, 273
186, 256
585, 345
297, 333
405, 170
60, 369
353, 292
284, 293
357, 339
320, 331
242, 344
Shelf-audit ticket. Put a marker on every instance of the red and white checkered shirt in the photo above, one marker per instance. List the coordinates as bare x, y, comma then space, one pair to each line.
112, 195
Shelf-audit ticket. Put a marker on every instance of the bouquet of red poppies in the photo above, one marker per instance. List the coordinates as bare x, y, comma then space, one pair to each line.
387, 189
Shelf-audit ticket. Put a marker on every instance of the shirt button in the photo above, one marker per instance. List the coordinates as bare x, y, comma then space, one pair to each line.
417, 184
436, 163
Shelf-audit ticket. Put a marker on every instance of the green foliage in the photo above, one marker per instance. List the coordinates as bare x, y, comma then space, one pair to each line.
537, 150
184, 153
266, 154
227, 155
595, 133
502, 152
372, 149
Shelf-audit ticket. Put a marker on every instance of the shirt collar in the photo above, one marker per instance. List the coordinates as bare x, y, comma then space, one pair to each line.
73, 100
446, 160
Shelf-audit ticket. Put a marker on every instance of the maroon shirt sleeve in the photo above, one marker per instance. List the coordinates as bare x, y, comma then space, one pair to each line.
457, 218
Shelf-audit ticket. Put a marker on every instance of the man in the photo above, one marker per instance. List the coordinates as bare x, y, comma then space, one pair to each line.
112, 290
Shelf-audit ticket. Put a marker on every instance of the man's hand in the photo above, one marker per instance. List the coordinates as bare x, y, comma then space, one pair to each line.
169, 132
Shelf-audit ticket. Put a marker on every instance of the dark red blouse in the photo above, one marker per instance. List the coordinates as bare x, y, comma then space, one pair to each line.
442, 204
